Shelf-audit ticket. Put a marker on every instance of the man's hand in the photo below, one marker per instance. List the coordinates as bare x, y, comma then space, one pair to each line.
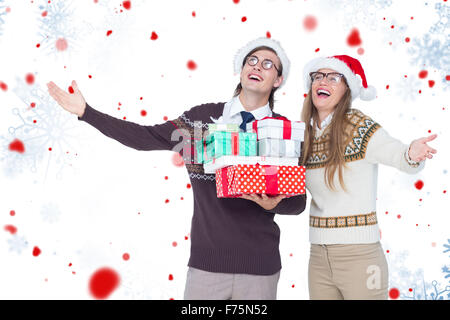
72, 102
263, 200
419, 150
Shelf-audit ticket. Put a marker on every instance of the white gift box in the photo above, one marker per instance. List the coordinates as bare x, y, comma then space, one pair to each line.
277, 129
279, 148
225, 161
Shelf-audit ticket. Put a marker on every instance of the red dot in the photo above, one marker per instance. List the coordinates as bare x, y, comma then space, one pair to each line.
174, 244
191, 65
387, 87
387, 212
317, 50
423, 74
236, 1
71, 91
193, 14
167, 201
170, 277
61, 44
353, 38
394, 293
33, 105
17, 146
445, 191
166, 177
399, 216
36, 251
44, 14
268, 35
90, 77
165, 118
447, 77
431, 83
50, 149
108, 33
407, 39
177, 160
29, 78
70, 264
392, 27
127, 5
360, 51
387, 251
293, 286
12, 213
103, 282
305, 95
420, 91
186, 237
188, 186
410, 290
10, 228
126, 256
243, 19
418, 184
154, 36
310, 23
143, 113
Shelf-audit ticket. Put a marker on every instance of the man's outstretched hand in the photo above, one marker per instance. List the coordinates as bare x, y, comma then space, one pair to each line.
71, 101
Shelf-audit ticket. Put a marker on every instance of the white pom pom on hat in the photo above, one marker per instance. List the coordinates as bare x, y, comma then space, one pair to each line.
267, 42
351, 69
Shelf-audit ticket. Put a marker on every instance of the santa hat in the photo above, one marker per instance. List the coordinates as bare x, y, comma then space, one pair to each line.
351, 69
267, 42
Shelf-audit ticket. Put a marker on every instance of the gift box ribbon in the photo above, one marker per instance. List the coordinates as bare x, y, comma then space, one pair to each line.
287, 129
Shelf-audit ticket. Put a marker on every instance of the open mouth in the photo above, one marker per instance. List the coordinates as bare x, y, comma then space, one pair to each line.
323, 93
254, 77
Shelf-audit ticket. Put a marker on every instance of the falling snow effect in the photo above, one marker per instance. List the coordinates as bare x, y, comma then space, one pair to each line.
408, 88
50, 212
53, 129
17, 244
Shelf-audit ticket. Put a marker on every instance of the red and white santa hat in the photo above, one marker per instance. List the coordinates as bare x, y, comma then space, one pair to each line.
351, 69
267, 42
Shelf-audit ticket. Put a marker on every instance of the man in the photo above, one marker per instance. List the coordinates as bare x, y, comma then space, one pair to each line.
234, 242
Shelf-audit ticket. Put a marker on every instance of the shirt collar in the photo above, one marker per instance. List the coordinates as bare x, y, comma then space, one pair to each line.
262, 112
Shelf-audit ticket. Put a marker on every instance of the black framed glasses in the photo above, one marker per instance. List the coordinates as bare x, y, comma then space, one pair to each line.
266, 63
332, 77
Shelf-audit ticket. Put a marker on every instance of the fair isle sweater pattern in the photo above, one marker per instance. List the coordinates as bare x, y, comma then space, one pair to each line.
360, 129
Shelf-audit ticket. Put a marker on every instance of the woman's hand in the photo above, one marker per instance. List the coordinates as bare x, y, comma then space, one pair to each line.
264, 201
72, 102
419, 150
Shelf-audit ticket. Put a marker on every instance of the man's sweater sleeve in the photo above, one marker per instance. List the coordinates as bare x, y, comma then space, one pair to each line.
384, 149
293, 205
133, 135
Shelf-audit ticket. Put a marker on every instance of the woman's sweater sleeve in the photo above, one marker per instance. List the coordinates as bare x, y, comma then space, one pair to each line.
290, 206
384, 149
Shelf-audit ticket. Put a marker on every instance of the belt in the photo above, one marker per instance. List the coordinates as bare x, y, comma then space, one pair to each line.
343, 222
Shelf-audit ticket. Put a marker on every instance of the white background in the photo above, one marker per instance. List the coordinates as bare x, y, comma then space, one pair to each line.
90, 199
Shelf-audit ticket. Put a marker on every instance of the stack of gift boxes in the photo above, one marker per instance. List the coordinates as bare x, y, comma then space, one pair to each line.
262, 160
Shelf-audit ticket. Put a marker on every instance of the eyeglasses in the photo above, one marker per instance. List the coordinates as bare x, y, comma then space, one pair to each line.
266, 63
332, 77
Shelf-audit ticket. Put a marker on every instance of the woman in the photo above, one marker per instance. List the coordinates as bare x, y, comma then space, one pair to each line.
342, 150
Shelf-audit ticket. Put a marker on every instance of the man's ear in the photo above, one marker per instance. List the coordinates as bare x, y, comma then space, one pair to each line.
278, 82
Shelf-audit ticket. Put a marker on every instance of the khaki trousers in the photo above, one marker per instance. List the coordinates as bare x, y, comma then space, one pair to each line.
348, 272
204, 285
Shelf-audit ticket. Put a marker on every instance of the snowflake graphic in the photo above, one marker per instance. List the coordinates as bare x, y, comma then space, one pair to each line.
408, 88
45, 130
359, 12
430, 52
2, 13
50, 212
17, 244
412, 286
442, 26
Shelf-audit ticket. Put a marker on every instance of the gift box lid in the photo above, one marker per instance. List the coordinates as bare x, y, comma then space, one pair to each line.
225, 161
270, 122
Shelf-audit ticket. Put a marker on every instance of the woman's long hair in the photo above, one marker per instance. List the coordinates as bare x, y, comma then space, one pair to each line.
338, 136
238, 89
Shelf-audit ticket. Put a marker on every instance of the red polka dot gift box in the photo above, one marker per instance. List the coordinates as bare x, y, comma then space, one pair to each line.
233, 181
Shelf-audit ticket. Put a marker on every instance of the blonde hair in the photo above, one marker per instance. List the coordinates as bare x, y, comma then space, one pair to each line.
338, 137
